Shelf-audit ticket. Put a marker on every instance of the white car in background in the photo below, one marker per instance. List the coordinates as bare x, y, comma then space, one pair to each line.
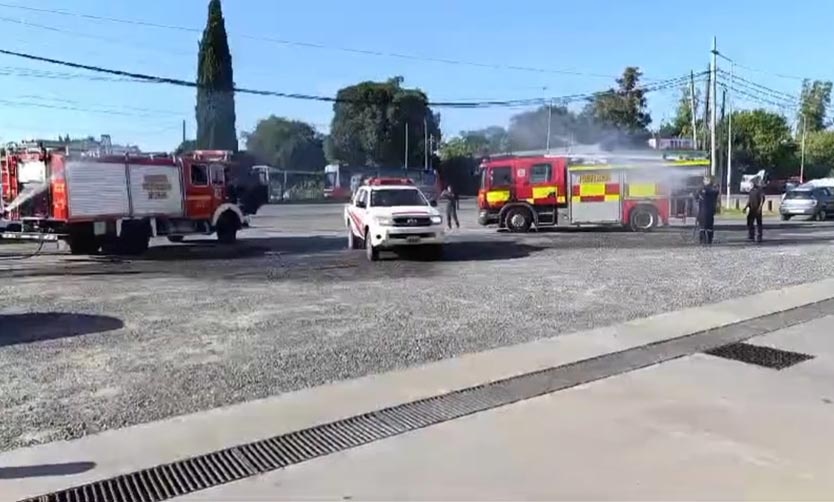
391, 213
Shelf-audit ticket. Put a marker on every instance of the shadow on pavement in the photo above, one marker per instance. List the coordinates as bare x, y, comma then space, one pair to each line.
43, 470
18, 329
476, 251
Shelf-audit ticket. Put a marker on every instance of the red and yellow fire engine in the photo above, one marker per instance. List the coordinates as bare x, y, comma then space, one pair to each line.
522, 192
117, 203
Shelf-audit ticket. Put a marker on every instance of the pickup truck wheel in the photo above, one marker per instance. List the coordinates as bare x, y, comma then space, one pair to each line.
822, 215
786, 217
518, 220
371, 252
353, 241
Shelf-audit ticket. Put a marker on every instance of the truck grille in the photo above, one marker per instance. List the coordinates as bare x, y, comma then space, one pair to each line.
412, 221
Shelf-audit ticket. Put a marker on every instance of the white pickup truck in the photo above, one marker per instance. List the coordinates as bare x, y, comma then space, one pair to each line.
389, 213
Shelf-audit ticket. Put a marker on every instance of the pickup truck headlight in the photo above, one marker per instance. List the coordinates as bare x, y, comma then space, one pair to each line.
436, 220
384, 222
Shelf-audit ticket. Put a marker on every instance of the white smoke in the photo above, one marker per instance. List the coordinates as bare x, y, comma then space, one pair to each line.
29, 191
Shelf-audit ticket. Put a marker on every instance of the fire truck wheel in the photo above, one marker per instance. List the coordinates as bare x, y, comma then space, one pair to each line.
83, 244
227, 227
518, 220
643, 218
371, 251
134, 240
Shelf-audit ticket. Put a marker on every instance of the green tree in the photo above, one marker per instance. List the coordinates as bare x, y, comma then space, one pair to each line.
288, 144
681, 125
215, 93
763, 140
476, 143
186, 146
814, 102
369, 124
623, 108
819, 154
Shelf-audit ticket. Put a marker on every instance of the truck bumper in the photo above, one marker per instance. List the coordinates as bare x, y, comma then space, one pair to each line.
387, 238
487, 217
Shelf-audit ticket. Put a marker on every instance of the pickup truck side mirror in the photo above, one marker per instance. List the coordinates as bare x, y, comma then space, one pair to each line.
433, 203
360, 205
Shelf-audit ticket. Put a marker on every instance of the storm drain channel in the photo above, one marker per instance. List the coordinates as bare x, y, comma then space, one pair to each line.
167, 481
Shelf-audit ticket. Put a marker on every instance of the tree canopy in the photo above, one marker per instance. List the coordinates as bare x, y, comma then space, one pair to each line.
288, 144
369, 124
215, 108
814, 102
623, 108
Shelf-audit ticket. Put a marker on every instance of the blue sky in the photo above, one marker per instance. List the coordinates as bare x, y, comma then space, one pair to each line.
595, 38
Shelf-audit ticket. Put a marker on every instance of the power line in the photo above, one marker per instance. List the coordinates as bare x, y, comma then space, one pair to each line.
759, 87
310, 97
312, 45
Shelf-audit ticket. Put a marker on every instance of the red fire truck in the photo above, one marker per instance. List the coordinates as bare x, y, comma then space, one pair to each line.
522, 192
117, 203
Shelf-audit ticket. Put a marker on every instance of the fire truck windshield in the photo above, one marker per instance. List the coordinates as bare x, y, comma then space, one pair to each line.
397, 197
500, 176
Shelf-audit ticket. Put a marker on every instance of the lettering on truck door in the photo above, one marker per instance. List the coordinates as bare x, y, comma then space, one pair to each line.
595, 196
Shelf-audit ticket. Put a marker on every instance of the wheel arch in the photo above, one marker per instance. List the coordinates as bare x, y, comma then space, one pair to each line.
226, 207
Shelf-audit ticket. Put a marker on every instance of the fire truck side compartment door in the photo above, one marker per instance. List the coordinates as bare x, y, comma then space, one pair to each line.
96, 189
156, 190
595, 196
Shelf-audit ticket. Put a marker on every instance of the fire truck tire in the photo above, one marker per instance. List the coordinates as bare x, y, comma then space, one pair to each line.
80, 243
518, 219
371, 251
643, 218
135, 239
227, 226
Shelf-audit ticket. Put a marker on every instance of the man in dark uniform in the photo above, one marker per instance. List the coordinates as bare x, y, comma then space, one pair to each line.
707, 200
755, 204
452, 203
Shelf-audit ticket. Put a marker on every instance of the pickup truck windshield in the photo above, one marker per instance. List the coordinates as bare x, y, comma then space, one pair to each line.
397, 197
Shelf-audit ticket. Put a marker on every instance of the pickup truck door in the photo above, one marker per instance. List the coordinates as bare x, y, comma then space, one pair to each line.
357, 210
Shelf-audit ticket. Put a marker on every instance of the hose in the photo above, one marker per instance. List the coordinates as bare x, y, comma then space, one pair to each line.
34, 253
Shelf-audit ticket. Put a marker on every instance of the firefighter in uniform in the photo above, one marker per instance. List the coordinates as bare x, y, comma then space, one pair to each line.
755, 204
452, 203
707, 200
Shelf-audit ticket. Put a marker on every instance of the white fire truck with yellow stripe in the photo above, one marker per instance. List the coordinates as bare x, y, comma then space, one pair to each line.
534, 191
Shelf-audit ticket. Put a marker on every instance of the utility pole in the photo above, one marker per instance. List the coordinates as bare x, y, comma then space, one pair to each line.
425, 144
693, 111
713, 115
802, 152
183, 130
730, 135
549, 121
405, 160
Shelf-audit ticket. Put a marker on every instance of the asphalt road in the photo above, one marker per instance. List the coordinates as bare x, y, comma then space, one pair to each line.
92, 343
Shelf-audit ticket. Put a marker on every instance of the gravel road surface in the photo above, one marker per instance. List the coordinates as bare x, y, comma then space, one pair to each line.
92, 343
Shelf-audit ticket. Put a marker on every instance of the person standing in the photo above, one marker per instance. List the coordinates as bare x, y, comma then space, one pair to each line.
707, 201
754, 207
452, 203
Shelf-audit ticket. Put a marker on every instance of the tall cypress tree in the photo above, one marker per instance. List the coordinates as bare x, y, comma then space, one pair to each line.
215, 95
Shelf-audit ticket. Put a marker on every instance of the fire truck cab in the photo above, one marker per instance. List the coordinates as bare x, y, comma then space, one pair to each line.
519, 193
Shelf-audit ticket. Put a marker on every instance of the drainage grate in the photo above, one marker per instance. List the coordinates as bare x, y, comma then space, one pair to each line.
198, 473
761, 356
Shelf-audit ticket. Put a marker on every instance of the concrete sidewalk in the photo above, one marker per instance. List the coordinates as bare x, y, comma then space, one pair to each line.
698, 427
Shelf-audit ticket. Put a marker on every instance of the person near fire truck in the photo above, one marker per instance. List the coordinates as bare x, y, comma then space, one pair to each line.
754, 207
707, 201
452, 205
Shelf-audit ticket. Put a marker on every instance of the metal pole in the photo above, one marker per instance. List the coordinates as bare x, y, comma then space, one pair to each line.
549, 120
425, 144
802, 154
693, 110
405, 163
713, 114
730, 133
183, 131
